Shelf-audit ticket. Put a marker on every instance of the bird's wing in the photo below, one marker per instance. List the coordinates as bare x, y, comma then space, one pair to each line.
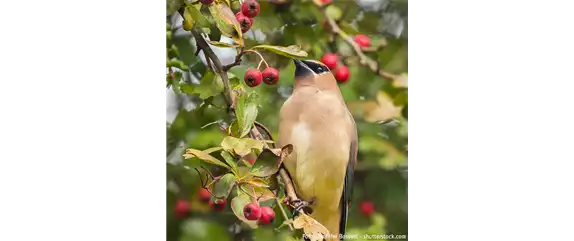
348, 185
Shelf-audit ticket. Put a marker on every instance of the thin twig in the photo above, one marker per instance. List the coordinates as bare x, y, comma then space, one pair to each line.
283, 213
364, 60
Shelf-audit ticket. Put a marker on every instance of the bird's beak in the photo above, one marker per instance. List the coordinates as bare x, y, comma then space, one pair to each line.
301, 69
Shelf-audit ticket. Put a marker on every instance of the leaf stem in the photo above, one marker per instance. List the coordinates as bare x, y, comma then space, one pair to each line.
260, 56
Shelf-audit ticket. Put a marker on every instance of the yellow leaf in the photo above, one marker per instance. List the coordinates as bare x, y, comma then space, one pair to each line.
191, 153
312, 229
242, 146
381, 110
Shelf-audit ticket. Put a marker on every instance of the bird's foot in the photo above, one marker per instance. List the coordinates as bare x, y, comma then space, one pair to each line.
299, 204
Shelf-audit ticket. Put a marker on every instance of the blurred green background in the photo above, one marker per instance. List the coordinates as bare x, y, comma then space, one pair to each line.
379, 106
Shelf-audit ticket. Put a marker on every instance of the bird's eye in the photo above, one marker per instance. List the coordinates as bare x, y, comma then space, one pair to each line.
320, 69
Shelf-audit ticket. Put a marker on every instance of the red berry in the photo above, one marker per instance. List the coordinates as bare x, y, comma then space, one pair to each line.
326, 1
218, 205
204, 195
270, 76
252, 211
250, 8
206, 2
182, 208
362, 40
367, 208
342, 74
330, 60
251, 161
244, 22
253, 77
267, 216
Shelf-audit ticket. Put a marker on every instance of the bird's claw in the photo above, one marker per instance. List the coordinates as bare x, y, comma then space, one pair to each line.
299, 204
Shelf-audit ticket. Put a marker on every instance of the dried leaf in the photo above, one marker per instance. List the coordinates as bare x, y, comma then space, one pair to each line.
313, 230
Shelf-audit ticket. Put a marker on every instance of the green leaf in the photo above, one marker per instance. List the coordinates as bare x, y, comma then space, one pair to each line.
289, 51
246, 112
224, 185
230, 161
178, 64
242, 146
226, 22
191, 153
223, 45
334, 12
266, 165
237, 204
210, 85
193, 14
186, 88
173, 6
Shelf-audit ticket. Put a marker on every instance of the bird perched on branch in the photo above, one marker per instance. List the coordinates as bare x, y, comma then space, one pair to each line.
316, 121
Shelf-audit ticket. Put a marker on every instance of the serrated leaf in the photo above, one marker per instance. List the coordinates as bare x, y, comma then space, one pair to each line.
230, 161
334, 12
226, 22
242, 146
289, 51
210, 85
237, 205
191, 153
246, 112
224, 185
173, 6
223, 45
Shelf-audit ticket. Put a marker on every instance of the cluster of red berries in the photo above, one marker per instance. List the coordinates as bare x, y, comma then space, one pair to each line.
249, 10
183, 207
331, 61
253, 77
263, 215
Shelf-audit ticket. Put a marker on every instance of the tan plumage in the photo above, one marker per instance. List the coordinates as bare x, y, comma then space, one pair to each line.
316, 121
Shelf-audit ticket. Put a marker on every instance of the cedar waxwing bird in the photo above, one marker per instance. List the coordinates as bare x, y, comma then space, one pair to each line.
316, 121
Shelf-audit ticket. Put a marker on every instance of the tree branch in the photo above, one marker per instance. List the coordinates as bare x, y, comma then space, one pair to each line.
222, 71
364, 59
